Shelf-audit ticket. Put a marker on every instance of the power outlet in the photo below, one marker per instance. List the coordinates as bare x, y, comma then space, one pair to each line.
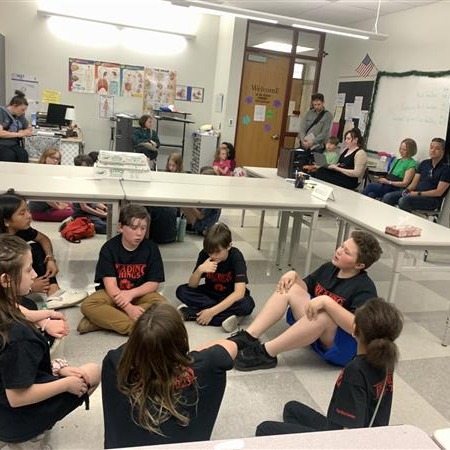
230, 122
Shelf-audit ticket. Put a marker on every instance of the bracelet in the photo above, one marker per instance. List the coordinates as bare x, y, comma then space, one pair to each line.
58, 364
45, 323
49, 258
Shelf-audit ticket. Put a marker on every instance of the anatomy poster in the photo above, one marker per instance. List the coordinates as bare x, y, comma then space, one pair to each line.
159, 88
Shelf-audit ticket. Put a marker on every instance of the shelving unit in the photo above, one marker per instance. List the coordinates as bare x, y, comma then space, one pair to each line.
177, 117
205, 146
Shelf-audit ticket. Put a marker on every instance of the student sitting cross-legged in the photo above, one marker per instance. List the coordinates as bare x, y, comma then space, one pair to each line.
223, 297
155, 390
320, 308
362, 395
129, 270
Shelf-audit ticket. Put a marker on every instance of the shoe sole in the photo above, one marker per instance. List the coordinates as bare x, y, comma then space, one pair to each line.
230, 324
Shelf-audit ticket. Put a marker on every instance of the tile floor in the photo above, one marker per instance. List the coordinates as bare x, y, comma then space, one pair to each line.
422, 394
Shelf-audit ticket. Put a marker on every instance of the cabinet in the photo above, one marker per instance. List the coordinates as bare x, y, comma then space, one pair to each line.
205, 146
173, 117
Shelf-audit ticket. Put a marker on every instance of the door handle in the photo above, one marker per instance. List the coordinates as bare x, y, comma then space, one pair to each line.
275, 137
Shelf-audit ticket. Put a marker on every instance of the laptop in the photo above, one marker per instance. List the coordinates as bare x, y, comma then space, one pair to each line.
320, 159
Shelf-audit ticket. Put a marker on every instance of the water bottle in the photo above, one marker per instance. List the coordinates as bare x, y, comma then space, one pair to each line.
181, 228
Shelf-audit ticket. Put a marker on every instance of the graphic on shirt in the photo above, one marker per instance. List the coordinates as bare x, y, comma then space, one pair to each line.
219, 279
378, 388
126, 273
320, 290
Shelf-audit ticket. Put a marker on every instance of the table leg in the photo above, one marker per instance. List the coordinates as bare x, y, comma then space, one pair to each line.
261, 226
282, 235
340, 234
242, 218
312, 229
447, 325
295, 237
112, 219
398, 262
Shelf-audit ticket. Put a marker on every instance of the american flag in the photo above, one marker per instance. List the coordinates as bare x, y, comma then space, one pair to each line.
365, 67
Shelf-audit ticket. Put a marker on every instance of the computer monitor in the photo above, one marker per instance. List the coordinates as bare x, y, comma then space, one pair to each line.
56, 114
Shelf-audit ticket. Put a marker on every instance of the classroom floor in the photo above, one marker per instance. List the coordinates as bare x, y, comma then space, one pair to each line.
421, 394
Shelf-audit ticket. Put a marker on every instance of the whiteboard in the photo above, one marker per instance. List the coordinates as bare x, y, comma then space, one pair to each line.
409, 105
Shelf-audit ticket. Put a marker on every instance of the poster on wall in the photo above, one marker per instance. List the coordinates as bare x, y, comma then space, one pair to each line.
159, 88
105, 106
29, 85
197, 94
132, 81
81, 75
107, 78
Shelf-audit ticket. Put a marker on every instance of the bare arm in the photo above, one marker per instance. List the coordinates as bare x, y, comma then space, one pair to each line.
414, 182
407, 178
15, 134
438, 192
360, 166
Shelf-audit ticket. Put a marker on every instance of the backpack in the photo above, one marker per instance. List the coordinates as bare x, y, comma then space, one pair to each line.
77, 229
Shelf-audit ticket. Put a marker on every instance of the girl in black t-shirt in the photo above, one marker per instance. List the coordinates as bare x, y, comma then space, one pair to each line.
156, 391
15, 219
35, 393
361, 383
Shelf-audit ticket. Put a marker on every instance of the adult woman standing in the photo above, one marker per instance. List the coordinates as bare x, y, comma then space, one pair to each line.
401, 173
14, 127
145, 138
351, 165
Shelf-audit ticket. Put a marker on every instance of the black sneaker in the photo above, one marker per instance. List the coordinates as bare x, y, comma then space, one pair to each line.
253, 358
243, 339
189, 314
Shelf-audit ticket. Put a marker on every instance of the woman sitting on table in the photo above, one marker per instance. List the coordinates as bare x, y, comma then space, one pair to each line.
14, 127
401, 174
50, 211
145, 139
351, 165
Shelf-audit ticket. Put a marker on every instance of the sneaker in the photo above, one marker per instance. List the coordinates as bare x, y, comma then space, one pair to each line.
66, 299
253, 358
189, 314
230, 323
86, 326
243, 339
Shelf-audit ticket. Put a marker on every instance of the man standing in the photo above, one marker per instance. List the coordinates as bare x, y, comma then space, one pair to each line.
315, 125
429, 185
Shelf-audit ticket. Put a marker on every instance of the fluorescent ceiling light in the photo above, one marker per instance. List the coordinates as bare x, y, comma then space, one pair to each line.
282, 20
330, 31
281, 47
220, 12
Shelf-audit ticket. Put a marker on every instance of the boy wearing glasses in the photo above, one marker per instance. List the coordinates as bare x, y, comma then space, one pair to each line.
429, 185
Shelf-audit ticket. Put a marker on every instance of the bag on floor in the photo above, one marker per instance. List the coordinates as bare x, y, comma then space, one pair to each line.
77, 229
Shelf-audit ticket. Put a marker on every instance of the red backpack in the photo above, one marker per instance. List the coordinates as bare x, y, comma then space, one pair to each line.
77, 229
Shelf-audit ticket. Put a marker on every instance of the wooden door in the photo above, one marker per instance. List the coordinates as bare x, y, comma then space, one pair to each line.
261, 108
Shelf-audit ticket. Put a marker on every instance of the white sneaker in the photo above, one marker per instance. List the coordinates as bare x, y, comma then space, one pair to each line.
230, 324
66, 299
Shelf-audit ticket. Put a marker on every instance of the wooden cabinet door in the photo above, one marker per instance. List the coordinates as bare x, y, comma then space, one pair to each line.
261, 108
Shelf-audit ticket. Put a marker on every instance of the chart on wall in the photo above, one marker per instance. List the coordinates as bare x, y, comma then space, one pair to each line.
159, 88
409, 105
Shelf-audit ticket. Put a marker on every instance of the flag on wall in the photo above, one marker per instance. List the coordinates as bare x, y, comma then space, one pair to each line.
365, 67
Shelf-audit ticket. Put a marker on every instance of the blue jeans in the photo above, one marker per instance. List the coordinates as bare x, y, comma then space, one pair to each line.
378, 190
411, 203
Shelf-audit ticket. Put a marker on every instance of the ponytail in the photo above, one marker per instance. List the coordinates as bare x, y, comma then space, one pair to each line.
18, 99
377, 325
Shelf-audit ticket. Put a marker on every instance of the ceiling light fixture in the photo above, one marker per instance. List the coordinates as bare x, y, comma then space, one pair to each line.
283, 20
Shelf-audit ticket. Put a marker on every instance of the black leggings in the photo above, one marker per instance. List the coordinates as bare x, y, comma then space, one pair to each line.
39, 266
14, 153
297, 418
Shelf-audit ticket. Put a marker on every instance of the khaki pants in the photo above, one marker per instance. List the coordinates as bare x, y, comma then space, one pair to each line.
101, 310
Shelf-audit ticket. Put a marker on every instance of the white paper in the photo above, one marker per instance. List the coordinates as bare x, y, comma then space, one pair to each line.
340, 99
348, 111
260, 113
291, 108
294, 124
105, 106
363, 121
29, 85
357, 105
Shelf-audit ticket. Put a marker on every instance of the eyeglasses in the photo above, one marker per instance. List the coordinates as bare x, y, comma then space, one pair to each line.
54, 158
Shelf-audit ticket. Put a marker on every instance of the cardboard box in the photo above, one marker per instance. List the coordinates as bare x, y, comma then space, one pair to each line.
122, 166
403, 231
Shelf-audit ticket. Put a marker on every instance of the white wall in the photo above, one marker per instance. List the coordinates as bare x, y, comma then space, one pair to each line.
32, 49
418, 40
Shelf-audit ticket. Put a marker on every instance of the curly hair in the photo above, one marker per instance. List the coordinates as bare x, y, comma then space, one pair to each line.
369, 250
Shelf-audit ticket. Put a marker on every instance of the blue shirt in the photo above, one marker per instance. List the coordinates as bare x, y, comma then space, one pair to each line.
431, 176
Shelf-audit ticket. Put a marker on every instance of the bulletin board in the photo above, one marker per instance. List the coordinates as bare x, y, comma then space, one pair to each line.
409, 105
353, 89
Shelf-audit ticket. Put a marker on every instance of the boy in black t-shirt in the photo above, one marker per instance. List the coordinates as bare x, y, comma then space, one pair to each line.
129, 270
319, 308
223, 297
